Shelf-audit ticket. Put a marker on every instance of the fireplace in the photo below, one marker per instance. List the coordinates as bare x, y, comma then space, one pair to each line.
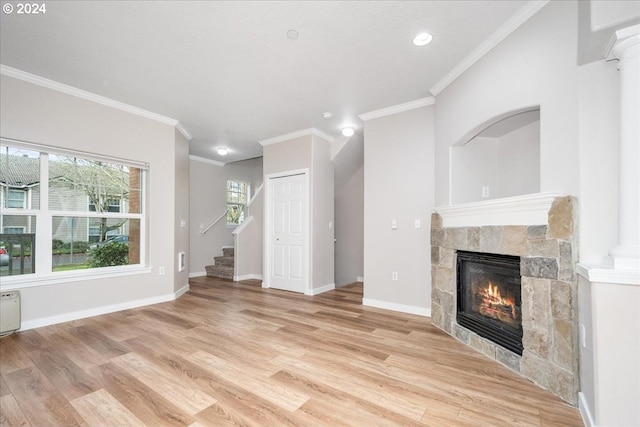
545, 242
489, 297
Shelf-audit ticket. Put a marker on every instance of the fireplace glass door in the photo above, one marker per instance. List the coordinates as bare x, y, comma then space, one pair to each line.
489, 297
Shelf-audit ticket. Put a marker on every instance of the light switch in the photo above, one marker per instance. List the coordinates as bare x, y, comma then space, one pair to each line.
417, 223
394, 224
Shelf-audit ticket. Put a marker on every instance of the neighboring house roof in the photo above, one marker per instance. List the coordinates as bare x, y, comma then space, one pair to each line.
24, 171
19, 172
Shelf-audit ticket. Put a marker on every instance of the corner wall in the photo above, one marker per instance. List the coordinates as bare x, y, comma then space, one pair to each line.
349, 230
398, 185
181, 208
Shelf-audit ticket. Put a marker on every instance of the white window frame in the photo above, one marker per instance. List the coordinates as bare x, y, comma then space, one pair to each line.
44, 274
16, 190
245, 204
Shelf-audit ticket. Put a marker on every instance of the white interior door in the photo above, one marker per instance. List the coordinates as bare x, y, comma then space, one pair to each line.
288, 233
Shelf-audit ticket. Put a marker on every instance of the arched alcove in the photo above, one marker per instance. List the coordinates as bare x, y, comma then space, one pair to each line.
501, 158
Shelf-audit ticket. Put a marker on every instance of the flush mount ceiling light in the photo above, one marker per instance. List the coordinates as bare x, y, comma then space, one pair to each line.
222, 151
348, 131
422, 39
327, 115
292, 34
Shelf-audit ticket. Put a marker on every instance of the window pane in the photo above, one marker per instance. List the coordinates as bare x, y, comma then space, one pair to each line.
88, 242
20, 178
77, 184
17, 245
235, 214
236, 201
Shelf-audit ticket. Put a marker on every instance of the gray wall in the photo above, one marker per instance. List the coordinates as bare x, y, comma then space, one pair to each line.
181, 278
349, 231
322, 215
398, 184
534, 66
44, 116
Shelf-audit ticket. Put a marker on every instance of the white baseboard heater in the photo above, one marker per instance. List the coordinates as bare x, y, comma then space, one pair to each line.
9, 312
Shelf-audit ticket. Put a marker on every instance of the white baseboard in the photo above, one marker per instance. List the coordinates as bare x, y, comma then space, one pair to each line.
183, 290
360, 279
410, 309
584, 411
321, 289
197, 274
247, 277
97, 311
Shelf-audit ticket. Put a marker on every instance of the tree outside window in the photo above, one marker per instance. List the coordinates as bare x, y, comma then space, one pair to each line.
237, 194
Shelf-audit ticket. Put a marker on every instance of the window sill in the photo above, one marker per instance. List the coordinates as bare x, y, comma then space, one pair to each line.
31, 280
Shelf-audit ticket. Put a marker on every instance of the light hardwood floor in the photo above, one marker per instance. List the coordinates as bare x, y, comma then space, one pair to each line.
235, 354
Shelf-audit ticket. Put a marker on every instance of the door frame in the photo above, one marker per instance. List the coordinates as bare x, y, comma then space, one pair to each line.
267, 255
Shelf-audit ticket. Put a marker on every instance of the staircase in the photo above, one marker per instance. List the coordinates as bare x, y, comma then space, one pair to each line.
223, 265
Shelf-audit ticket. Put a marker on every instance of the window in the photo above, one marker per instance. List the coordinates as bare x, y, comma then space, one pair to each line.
15, 199
237, 194
13, 230
90, 216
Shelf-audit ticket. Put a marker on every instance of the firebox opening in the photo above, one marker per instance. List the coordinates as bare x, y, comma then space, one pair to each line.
489, 297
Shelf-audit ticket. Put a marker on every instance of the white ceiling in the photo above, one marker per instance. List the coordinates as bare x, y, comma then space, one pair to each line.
227, 70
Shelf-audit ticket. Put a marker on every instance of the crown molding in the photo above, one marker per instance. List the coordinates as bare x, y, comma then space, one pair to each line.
297, 134
205, 160
83, 94
395, 109
180, 127
526, 12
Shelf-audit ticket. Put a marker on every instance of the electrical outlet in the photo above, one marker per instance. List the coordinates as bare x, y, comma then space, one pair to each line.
485, 191
417, 223
394, 224
161, 270
394, 276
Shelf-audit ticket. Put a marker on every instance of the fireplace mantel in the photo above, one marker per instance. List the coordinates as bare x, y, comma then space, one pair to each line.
530, 209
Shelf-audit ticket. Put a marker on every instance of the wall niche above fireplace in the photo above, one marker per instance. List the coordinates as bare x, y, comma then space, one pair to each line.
500, 158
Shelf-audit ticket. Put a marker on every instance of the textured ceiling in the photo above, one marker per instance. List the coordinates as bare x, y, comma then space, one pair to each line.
229, 73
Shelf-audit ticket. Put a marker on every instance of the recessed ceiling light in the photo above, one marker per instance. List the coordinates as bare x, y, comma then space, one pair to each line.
422, 39
348, 131
222, 151
292, 34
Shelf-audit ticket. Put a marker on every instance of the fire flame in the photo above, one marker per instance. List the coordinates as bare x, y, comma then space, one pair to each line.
491, 296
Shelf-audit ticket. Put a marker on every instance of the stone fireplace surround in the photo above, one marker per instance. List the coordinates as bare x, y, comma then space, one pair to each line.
548, 254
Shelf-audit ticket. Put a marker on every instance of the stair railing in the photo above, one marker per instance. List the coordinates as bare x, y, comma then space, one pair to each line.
214, 222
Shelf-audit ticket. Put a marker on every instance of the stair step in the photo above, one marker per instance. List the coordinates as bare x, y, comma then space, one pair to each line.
223, 261
220, 271
228, 252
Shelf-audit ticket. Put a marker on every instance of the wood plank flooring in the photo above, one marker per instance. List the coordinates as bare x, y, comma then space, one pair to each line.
231, 353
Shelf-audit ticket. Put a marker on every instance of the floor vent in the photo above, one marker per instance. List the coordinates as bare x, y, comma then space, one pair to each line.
9, 312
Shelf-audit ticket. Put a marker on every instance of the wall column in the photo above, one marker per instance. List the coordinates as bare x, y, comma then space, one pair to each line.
625, 47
